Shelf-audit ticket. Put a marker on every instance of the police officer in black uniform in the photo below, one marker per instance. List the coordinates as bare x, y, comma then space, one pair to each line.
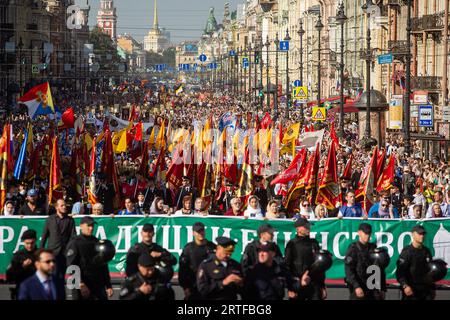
162, 256
250, 256
193, 254
219, 277
412, 268
81, 251
299, 256
269, 277
22, 262
146, 283
357, 260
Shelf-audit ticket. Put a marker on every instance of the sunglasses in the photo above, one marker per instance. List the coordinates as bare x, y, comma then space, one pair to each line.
306, 204
49, 261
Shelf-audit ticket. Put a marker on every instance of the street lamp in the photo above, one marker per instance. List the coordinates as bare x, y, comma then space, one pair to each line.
340, 19
267, 73
275, 102
319, 26
301, 32
365, 7
244, 71
261, 46
239, 71
407, 95
287, 38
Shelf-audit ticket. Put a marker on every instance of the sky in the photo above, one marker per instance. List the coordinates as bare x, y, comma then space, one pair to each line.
185, 19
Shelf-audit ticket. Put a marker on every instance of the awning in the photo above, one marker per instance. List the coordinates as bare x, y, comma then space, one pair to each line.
349, 108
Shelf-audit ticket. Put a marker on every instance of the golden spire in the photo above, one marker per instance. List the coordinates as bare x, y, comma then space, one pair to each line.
155, 18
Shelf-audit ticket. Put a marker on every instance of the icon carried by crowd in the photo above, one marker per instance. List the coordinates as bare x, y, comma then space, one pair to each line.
81, 159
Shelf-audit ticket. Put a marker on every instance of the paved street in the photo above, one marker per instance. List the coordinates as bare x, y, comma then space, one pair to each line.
333, 293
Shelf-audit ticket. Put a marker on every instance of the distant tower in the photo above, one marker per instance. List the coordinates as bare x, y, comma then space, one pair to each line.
157, 39
107, 18
155, 18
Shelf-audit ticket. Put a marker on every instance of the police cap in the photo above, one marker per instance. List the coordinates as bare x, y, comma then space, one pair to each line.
198, 226
226, 243
148, 227
29, 234
419, 229
302, 222
265, 228
366, 228
146, 260
87, 220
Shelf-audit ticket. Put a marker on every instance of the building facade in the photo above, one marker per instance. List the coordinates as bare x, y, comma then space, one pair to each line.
157, 39
107, 18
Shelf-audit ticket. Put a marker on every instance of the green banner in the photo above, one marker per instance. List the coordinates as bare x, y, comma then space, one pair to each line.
173, 233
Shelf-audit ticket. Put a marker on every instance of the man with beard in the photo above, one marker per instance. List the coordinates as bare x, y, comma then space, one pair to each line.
31, 208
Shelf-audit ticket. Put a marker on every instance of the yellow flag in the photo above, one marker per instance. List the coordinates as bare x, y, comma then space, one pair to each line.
291, 133
88, 141
117, 136
122, 146
169, 133
151, 139
160, 140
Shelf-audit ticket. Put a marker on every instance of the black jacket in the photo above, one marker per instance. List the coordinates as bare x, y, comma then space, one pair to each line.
412, 267
190, 259
300, 255
57, 239
357, 260
250, 256
141, 248
182, 193
210, 276
160, 291
16, 273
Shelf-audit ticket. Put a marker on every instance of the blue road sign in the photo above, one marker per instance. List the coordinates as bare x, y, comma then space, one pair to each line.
245, 62
385, 58
426, 116
202, 57
232, 53
297, 83
284, 45
213, 65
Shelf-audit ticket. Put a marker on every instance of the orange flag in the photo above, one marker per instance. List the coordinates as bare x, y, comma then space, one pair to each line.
366, 189
55, 173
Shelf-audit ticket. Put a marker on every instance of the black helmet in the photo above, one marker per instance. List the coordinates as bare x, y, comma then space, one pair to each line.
322, 262
105, 251
165, 272
380, 257
437, 270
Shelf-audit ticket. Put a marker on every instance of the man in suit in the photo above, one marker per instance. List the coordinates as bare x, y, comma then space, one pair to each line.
261, 193
58, 230
43, 285
151, 192
186, 190
226, 197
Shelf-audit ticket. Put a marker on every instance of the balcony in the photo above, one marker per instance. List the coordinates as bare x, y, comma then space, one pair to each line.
393, 3
398, 47
428, 23
429, 83
266, 5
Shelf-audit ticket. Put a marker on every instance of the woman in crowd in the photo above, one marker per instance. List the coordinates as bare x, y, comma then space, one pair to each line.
385, 211
273, 211
320, 212
187, 207
158, 207
253, 208
8, 209
97, 209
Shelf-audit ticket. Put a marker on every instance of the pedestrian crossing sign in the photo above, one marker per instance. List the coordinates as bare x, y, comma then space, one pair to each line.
319, 114
300, 94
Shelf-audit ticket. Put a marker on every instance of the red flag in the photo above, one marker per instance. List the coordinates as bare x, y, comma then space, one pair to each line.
347, 174
5, 154
266, 121
68, 119
55, 173
311, 175
333, 134
175, 171
230, 171
159, 166
381, 160
367, 188
138, 134
92, 197
280, 128
328, 192
109, 166
132, 113
144, 161
292, 171
387, 177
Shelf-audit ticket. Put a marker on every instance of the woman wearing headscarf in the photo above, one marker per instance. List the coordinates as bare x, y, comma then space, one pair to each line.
8, 209
253, 208
157, 206
273, 211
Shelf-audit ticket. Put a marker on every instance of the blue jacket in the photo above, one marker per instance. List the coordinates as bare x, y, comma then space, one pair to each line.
33, 289
355, 211
373, 212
